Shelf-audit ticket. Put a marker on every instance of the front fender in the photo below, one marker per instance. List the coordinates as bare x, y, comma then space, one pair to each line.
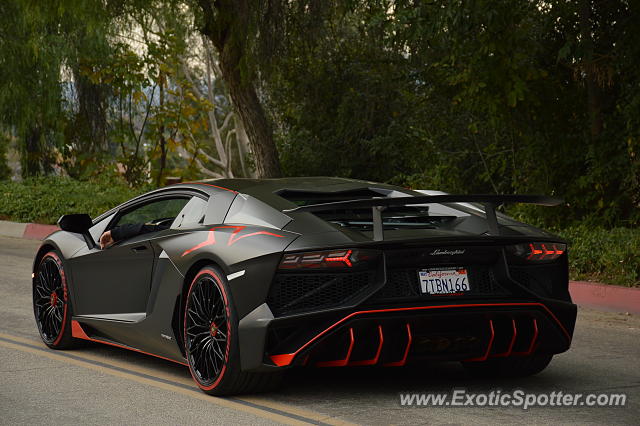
64, 242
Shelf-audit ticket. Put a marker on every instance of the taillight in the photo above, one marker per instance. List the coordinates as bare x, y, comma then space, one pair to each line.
536, 252
343, 258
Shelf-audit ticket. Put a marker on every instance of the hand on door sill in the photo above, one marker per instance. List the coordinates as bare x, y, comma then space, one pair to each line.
106, 240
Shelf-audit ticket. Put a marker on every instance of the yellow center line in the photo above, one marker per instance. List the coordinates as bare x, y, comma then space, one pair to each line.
297, 411
184, 381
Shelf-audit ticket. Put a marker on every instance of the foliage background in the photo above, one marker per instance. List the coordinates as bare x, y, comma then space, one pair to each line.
44, 200
104, 99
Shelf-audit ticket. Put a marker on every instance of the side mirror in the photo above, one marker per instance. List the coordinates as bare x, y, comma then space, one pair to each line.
78, 224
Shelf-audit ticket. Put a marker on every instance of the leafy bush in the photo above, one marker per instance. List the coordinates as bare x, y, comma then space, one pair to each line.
596, 253
45, 199
604, 255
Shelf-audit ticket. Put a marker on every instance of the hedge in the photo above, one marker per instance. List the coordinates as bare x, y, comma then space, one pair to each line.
595, 253
609, 256
44, 200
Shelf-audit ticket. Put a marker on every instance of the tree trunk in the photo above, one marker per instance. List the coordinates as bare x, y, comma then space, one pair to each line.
226, 24
260, 134
162, 142
242, 141
91, 122
594, 98
31, 152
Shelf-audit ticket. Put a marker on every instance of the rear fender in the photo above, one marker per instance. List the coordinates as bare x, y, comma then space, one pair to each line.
247, 254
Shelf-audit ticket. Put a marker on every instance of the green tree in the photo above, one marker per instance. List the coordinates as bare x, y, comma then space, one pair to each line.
30, 92
469, 96
233, 26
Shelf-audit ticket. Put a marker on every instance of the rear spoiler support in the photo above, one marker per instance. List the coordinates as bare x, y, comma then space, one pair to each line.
378, 228
492, 219
378, 205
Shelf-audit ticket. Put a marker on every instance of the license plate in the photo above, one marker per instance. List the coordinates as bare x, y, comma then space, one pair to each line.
443, 281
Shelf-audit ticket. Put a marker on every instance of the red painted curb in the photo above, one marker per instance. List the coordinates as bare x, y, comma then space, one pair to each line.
36, 231
605, 297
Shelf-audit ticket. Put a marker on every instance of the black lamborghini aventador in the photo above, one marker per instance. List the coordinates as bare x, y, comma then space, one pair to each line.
240, 279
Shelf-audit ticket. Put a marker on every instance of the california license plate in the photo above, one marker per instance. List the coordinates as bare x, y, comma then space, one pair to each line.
444, 281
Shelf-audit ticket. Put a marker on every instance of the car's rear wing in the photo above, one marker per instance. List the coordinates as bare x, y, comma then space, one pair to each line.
490, 203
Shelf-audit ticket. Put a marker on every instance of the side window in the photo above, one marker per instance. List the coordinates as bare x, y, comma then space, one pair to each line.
161, 212
192, 213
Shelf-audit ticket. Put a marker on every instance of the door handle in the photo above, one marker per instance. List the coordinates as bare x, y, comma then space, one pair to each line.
139, 249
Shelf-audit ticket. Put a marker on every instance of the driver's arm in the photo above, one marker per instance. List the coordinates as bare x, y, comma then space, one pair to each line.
129, 230
126, 231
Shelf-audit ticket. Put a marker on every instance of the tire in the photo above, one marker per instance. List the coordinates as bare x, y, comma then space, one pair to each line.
510, 367
210, 332
51, 302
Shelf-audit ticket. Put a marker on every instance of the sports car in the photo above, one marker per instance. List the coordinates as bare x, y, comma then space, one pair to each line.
242, 279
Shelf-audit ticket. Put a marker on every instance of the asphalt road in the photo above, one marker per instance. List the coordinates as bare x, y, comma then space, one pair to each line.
99, 384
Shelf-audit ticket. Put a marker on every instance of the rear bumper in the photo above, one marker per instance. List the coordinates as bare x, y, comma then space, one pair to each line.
395, 336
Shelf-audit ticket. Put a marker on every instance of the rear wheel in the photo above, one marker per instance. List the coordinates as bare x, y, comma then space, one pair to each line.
211, 339
51, 306
510, 367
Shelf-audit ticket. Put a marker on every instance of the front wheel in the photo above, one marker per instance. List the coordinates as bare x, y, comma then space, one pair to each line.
51, 306
211, 339
510, 367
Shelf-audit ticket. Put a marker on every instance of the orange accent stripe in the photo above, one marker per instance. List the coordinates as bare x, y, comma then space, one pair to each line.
282, 359
207, 184
340, 362
375, 359
233, 238
533, 340
211, 239
78, 332
535, 337
286, 359
513, 341
217, 186
403, 361
489, 345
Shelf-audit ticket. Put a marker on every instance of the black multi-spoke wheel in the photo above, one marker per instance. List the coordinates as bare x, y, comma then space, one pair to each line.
51, 302
207, 329
211, 339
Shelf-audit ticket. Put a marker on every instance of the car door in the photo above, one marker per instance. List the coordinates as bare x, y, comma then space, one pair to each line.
117, 279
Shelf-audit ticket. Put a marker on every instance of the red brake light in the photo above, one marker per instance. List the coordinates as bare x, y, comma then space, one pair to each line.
538, 251
322, 259
340, 257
